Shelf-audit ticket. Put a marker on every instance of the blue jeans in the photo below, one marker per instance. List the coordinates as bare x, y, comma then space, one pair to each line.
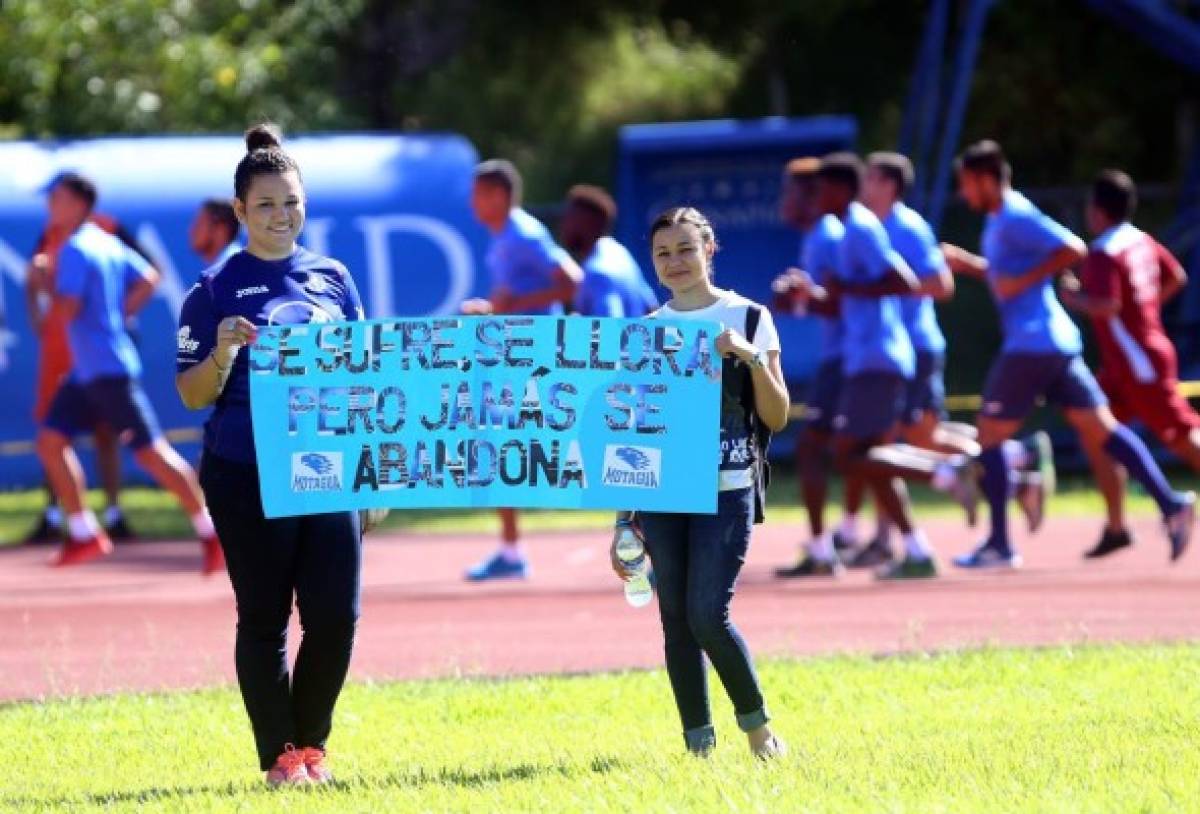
697, 559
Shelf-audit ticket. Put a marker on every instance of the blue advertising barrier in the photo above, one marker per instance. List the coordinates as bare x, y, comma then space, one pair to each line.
553, 412
394, 209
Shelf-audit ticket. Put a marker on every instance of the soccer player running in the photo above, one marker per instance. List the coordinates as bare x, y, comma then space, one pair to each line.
101, 283
821, 233
697, 557
315, 559
1023, 252
54, 351
613, 284
1124, 281
530, 275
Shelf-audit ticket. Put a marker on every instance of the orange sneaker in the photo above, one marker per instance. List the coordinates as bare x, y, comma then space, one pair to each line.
214, 557
314, 761
77, 552
289, 769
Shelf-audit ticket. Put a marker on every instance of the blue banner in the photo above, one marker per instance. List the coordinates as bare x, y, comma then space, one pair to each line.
553, 412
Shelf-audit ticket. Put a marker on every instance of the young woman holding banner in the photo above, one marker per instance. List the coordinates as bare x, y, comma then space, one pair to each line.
315, 558
697, 557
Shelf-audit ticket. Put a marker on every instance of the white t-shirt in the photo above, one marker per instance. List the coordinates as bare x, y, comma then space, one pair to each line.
736, 469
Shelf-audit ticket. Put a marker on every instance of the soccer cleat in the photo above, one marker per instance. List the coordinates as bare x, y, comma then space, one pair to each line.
314, 763
1030, 497
214, 557
843, 544
989, 557
289, 769
120, 531
966, 490
77, 552
499, 567
1179, 525
1110, 542
44, 532
810, 566
874, 554
1042, 450
909, 568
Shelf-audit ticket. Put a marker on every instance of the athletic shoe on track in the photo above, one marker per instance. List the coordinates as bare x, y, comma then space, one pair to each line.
77, 552
874, 554
909, 568
499, 567
1179, 526
843, 544
988, 557
119, 531
214, 557
289, 769
810, 566
44, 532
314, 764
1110, 542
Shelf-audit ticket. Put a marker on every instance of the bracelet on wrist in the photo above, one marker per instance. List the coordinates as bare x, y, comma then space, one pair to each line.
212, 354
624, 522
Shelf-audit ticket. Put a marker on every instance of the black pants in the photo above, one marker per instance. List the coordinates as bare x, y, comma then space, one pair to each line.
317, 559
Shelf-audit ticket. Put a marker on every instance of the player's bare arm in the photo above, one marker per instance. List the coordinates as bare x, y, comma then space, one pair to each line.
1069, 254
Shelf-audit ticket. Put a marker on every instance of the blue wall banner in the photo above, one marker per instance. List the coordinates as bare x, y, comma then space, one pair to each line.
554, 412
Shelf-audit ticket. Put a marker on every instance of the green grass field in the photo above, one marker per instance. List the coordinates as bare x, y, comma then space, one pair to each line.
155, 514
1086, 730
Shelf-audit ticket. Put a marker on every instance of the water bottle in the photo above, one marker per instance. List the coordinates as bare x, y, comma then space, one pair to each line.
632, 554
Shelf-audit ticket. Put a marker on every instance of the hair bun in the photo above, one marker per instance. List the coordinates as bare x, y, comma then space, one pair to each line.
263, 137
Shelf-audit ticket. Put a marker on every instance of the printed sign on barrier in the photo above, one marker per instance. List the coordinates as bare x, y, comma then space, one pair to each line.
554, 412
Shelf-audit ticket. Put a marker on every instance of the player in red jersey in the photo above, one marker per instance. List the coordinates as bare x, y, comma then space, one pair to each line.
1124, 281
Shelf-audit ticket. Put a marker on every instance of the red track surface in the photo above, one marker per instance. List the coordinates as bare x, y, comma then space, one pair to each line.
144, 619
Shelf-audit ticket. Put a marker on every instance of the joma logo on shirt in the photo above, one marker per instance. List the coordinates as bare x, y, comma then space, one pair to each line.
186, 343
317, 472
252, 290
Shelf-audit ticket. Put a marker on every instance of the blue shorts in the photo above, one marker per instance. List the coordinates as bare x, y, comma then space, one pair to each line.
926, 391
117, 401
1018, 380
821, 401
871, 404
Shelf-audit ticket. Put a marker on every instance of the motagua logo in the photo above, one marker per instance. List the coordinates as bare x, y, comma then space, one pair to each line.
632, 467
316, 471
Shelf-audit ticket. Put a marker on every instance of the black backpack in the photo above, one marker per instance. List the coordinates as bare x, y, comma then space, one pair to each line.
760, 434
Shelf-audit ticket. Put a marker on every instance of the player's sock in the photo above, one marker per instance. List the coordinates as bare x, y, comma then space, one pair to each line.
511, 552
203, 524
54, 516
112, 515
848, 528
916, 546
995, 486
82, 525
821, 547
1129, 451
1016, 454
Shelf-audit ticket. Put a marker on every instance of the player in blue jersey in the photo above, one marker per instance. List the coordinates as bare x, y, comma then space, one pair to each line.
314, 560
613, 284
530, 274
99, 285
1023, 252
821, 233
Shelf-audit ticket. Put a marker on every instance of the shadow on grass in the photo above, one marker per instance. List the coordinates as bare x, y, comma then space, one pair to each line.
413, 778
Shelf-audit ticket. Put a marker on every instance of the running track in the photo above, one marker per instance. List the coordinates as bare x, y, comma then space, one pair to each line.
145, 620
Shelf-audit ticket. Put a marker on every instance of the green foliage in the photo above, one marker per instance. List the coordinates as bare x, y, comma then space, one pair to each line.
1073, 729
